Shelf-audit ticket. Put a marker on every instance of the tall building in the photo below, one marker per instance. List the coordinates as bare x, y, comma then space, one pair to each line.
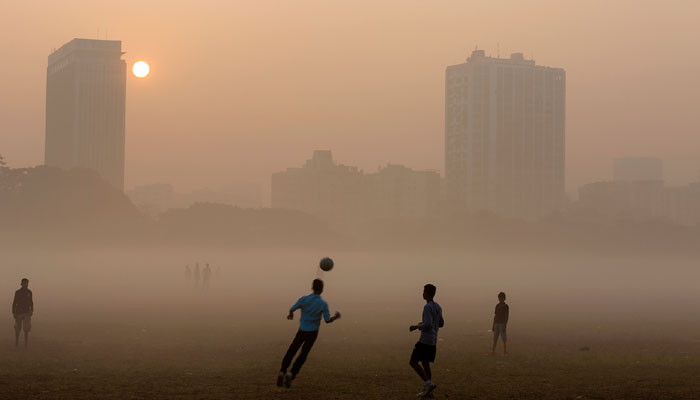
85, 108
638, 169
504, 136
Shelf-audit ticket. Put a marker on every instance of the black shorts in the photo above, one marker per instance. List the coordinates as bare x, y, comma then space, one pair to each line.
423, 352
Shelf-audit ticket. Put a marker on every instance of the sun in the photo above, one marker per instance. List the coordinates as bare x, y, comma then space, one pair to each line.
140, 69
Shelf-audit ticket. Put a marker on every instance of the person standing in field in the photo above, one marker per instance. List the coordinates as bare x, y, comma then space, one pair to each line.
196, 275
22, 310
206, 275
313, 307
426, 347
500, 320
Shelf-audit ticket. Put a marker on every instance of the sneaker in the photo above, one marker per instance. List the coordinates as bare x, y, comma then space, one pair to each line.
280, 378
288, 379
427, 390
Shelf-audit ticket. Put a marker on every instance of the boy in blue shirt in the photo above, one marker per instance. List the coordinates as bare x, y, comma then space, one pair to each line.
424, 351
312, 308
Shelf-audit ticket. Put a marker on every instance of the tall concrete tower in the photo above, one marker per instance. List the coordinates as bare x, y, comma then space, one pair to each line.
504, 136
86, 108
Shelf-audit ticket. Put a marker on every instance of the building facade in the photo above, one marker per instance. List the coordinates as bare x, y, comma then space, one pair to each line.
505, 136
396, 191
86, 108
320, 187
643, 200
343, 193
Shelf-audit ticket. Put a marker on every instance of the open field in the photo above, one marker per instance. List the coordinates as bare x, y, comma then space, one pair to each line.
131, 327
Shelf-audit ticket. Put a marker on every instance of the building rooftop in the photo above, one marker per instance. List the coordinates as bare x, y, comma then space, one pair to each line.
90, 46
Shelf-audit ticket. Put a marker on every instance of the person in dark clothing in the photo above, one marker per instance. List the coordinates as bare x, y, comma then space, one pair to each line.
425, 349
206, 276
313, 307
500, 320
197, 275
22, 310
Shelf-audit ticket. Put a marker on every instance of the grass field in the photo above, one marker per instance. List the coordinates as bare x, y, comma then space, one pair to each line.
151, 336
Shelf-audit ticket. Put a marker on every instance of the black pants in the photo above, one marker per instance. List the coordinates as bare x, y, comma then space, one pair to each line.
305, 340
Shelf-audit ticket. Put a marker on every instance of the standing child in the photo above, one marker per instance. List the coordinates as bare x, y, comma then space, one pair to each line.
22, 310
425, 349
500, 320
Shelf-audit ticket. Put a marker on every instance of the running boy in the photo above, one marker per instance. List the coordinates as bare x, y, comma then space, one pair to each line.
312, 308
424, 351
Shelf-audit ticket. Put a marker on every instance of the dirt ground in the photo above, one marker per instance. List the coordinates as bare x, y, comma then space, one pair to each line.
144, 332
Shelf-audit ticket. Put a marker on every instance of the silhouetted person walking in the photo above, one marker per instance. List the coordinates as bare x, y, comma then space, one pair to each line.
500, 320
22, 310
196, 275
426, 347
312, 308
206, 276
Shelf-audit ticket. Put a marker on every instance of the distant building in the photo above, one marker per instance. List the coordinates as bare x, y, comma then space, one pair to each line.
625, 199
85, 108
643, 200
504, 136
342, 193
320, 187
398, 191
638, 169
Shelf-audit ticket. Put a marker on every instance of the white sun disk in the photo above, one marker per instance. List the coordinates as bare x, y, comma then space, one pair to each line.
140, 69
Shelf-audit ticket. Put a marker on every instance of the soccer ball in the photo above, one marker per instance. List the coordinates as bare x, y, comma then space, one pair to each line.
326, 264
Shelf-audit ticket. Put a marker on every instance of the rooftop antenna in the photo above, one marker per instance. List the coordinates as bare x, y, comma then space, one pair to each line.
498, 50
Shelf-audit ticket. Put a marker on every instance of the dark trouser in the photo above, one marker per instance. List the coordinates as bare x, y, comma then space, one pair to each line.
303, 339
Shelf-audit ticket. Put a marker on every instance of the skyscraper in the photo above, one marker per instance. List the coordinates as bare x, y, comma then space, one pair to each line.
85, 108
504, 136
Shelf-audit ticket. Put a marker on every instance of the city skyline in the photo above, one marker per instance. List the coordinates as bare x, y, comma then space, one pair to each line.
218, 114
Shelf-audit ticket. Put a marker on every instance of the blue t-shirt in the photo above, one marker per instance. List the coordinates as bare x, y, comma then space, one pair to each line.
432, 321
312, 307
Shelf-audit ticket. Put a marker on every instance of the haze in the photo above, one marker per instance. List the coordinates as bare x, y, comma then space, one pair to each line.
241, 90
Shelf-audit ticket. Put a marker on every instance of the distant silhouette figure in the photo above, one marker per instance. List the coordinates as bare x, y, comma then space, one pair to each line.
188, 272
425, 349
196, 275
206, 275
22, 310
313, 307
500, 320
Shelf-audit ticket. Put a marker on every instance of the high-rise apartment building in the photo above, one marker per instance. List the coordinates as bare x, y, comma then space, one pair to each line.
504, 136
85, 108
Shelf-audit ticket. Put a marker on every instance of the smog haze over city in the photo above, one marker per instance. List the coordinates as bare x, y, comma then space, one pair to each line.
186, 188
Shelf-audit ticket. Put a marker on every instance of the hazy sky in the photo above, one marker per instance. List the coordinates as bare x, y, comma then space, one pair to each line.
241, 89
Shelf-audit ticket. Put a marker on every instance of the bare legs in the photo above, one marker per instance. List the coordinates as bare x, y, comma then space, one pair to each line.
422, 371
